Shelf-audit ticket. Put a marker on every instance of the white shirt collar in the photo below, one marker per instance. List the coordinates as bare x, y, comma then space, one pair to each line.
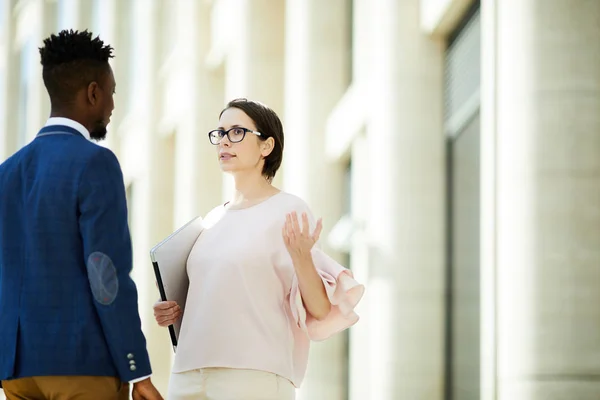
70, 123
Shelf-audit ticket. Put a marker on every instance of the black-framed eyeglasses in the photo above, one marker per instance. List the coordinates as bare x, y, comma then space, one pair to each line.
234, 135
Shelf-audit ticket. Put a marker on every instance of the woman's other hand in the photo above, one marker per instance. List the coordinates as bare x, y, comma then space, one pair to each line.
298, 240
166, 312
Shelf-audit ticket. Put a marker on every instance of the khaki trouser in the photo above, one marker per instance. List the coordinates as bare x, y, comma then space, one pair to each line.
229, 384
66, 388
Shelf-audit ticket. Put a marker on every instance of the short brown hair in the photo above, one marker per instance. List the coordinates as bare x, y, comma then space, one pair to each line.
269, 125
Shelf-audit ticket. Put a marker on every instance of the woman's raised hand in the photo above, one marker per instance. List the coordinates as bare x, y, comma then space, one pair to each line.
298, 239
166, 312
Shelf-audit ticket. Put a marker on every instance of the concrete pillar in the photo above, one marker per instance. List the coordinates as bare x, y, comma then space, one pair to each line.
29, 88
488, 192
12, 79
149, 161
254, 57
317, 55
543, 129
407, 213
104, 16
69, 15
198, 178
359, 337
6, 27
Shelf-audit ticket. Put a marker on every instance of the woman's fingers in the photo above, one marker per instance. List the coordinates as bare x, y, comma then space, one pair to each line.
165, 305
286, 237
166, 320
166, 312
296, 224
305, 227
289, 227
318, 230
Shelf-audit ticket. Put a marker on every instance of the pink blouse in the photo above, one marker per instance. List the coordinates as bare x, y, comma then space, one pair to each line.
244, 308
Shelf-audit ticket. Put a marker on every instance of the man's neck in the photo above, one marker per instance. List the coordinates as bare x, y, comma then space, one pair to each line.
69, 115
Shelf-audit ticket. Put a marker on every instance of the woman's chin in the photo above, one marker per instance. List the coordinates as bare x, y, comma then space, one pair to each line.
229, 169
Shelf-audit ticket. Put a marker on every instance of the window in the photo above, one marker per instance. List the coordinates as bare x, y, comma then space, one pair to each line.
462, 82
463, 263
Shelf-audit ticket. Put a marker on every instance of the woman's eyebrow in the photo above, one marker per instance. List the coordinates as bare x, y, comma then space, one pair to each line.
232, 126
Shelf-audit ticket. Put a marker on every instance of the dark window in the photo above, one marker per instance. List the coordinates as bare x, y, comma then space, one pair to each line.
462, 125
463, 263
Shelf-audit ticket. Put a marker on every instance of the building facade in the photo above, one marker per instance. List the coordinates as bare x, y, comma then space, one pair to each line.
451, 146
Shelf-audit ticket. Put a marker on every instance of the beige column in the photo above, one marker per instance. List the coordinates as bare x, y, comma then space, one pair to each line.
6, 88
254, 56
148, 159
359, 360
105, 16
488, 191
407, 213
195, 104
12, 79
317, 75
544, 132
30, 91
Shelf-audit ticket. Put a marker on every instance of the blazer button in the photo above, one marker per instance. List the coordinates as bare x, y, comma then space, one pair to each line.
132, 368
130, 356
131, 362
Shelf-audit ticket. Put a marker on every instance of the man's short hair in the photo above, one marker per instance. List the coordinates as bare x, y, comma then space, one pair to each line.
72, 60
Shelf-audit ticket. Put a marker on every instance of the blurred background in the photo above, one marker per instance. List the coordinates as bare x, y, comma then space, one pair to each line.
451, 146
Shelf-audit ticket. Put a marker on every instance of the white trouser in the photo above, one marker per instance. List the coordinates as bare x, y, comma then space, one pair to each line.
229, 384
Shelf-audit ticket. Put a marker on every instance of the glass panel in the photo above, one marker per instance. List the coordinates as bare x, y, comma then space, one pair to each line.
464, 263
462, 65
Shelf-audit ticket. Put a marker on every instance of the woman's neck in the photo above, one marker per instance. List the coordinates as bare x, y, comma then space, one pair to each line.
251, 188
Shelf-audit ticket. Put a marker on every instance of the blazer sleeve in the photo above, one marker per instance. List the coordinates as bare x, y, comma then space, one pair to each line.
108, 257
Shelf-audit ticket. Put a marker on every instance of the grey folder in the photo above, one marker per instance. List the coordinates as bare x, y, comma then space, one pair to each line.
169, 259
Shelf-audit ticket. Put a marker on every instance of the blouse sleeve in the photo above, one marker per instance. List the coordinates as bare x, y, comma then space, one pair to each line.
343, 292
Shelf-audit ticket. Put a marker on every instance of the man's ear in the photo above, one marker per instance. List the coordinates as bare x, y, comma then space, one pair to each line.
92, 93
267, 147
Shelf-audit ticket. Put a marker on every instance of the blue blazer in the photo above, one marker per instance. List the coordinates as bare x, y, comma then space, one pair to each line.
67, 303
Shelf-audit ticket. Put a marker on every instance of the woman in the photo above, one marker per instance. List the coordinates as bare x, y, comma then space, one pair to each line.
259, 291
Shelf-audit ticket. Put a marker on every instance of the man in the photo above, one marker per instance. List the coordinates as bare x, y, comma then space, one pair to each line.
69, 322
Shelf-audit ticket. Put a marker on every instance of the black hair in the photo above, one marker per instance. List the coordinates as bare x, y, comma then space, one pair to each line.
72, 60
269, 125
